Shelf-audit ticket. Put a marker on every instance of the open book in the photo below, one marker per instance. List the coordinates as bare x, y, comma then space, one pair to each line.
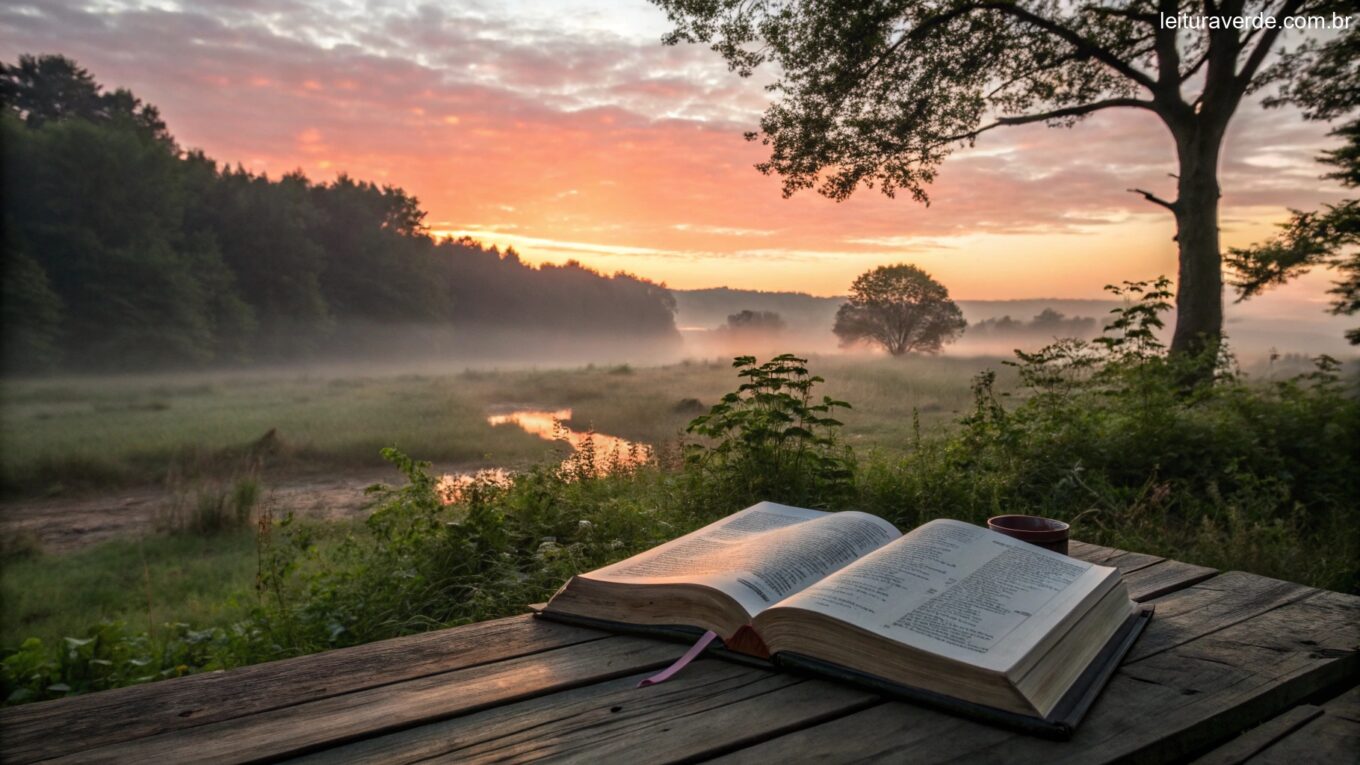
950, 613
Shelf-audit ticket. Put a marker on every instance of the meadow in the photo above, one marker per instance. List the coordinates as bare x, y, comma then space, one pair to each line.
71, 438
74, 435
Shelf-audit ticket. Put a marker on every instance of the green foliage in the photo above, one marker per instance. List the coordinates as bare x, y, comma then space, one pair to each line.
108, 656
423, 562
124, 252
1324, 86
770, 439
43, 89
31, 314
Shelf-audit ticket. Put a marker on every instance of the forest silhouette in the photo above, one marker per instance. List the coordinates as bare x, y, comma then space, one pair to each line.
127, 252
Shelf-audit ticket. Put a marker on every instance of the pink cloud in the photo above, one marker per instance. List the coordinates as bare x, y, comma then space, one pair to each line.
490, 121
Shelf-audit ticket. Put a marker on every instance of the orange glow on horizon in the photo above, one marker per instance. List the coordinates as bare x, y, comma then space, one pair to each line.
596, 143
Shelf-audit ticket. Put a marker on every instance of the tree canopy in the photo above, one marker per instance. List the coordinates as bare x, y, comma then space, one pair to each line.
880, 92
121, 251
1328, 89
900, 308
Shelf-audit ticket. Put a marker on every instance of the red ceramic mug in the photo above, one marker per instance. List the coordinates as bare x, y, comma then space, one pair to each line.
1045, 532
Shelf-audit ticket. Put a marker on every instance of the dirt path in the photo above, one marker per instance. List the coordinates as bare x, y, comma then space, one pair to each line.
63, 524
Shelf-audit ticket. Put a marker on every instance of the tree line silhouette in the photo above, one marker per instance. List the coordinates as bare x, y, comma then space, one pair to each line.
124, 251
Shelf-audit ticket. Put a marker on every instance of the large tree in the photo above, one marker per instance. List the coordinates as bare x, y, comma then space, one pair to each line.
900, 308
879, 92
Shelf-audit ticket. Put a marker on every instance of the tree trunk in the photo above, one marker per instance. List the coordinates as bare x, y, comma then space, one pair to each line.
1199, 290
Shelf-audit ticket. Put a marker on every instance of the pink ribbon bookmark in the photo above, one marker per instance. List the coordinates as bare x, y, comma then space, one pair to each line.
681, 662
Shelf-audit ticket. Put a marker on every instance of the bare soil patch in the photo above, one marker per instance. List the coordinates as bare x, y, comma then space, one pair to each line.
64, 524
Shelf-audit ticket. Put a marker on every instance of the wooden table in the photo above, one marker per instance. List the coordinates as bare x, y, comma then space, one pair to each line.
1235, 667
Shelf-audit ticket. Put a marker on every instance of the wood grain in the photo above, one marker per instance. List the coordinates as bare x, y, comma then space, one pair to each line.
712, 706
1148, 576
1243, 747
1123, 560
300, 728
1163, 577
1326, 739
1332, 737
50, 729
1211, 605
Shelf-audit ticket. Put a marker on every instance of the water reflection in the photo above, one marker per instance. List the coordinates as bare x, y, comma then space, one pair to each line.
592, 452
609, 450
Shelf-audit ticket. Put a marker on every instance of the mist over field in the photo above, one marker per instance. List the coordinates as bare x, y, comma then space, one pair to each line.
1255, 330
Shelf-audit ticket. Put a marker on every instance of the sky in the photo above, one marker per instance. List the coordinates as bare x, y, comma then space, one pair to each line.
564, 129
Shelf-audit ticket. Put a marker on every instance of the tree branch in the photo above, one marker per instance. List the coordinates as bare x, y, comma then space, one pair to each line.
1262, 49
1074, 39
1168, 55
1153, 198
1057, 114
1059, 61
1203, 59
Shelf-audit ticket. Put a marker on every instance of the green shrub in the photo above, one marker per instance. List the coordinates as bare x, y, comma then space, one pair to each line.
421, 563
770, 439
108, 656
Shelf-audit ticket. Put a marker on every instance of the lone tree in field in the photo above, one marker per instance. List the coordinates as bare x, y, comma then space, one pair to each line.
881, 91
900, 308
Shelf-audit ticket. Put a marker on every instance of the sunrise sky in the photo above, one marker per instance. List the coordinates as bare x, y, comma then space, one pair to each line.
566, 130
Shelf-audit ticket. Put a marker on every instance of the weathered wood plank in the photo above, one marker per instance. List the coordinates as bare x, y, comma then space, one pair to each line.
1211, 605
50, 729
1148, 576
297, 729
1346, 705
1331, 736
1240, 749
711, 707
1123, 560
1164, 577
1213, 678
1328, 739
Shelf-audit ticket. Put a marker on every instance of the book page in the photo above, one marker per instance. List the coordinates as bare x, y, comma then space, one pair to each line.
957, 590
760, 555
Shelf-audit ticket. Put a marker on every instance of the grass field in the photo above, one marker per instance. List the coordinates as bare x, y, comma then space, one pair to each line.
143, 582
83, 436
88, 434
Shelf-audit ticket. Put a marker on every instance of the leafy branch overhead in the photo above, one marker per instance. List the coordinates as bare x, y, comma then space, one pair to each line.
877, 93
880, 92
1328, 89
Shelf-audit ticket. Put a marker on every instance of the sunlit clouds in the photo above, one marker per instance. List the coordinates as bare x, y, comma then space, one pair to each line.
567, 131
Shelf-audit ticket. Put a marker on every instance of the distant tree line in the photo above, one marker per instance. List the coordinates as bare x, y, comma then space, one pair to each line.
1048, 323
123, 251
